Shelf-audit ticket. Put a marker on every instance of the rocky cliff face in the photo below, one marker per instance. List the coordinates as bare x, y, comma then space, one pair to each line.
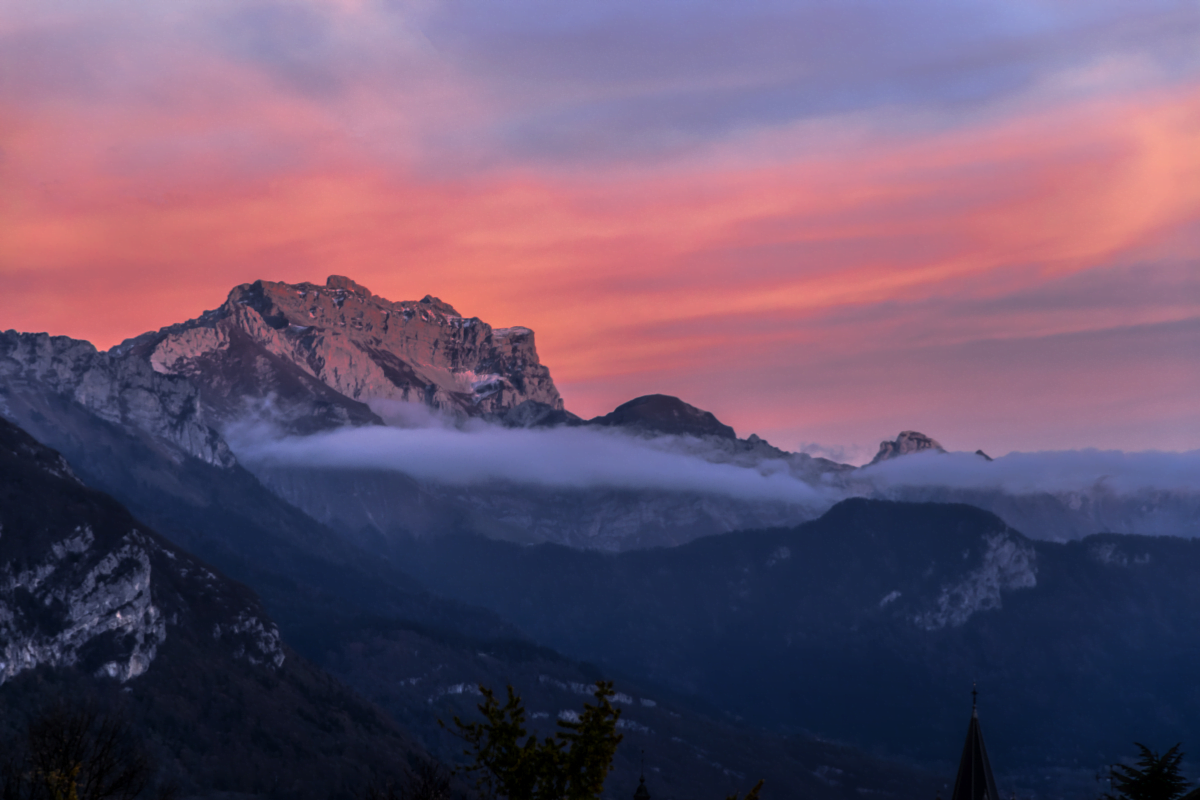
83, 584
906, 443
311, 357
96, 607
120, 391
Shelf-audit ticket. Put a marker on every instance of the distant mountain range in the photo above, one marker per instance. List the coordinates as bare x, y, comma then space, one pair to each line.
94, 605
141, 436
298, 359
745, 634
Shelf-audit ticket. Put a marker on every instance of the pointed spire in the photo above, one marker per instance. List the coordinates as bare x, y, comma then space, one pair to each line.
642, 792
974, 781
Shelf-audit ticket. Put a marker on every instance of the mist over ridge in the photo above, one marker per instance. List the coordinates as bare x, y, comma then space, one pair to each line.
430, 447
404, 417
1115, 471
481, 453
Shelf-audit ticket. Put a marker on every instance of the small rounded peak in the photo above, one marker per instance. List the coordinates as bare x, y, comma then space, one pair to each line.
663, 413
438, 305
985, 455
346, 285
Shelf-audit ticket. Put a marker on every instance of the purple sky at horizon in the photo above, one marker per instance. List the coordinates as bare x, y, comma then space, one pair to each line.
826, 222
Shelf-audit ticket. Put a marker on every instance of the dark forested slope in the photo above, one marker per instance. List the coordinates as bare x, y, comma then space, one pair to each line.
871, 623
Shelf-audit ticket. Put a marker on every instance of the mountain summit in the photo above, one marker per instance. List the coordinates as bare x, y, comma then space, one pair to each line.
906, 443
313, 356
662, 413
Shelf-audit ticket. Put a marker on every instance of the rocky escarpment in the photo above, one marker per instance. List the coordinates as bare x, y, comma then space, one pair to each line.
124, 392
311, 357
906, 443
97, 608
83, 584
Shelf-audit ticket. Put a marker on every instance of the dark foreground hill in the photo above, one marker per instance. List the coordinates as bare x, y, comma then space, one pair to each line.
871, 623
96, 608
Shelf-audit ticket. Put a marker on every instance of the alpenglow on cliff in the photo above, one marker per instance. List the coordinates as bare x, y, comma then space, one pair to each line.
317, 354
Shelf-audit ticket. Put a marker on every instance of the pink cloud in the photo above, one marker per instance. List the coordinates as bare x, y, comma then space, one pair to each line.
819, 281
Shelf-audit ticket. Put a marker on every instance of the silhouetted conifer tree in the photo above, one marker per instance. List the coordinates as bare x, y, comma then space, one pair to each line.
508, 762
1154, 778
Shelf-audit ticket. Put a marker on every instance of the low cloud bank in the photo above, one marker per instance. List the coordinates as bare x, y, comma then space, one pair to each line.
1056, 472
419, 443
556, 457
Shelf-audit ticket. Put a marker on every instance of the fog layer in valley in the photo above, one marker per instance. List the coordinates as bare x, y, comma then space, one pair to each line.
1055, 472
564, 458
429, 448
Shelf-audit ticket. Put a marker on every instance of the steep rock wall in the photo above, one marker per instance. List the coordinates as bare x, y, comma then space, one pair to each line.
121, 391
312, 356
83, 584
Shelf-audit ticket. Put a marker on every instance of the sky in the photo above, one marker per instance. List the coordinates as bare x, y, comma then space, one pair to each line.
824, 221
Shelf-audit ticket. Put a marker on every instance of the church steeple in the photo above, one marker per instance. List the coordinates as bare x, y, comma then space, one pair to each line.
974, 781
642, 792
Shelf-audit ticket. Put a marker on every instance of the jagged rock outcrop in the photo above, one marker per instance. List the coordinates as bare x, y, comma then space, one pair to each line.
532, 414
83, 584
124, 392
662, 413
906, 443
311, 357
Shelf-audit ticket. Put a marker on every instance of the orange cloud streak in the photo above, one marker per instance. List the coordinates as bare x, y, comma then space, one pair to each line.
619, 273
